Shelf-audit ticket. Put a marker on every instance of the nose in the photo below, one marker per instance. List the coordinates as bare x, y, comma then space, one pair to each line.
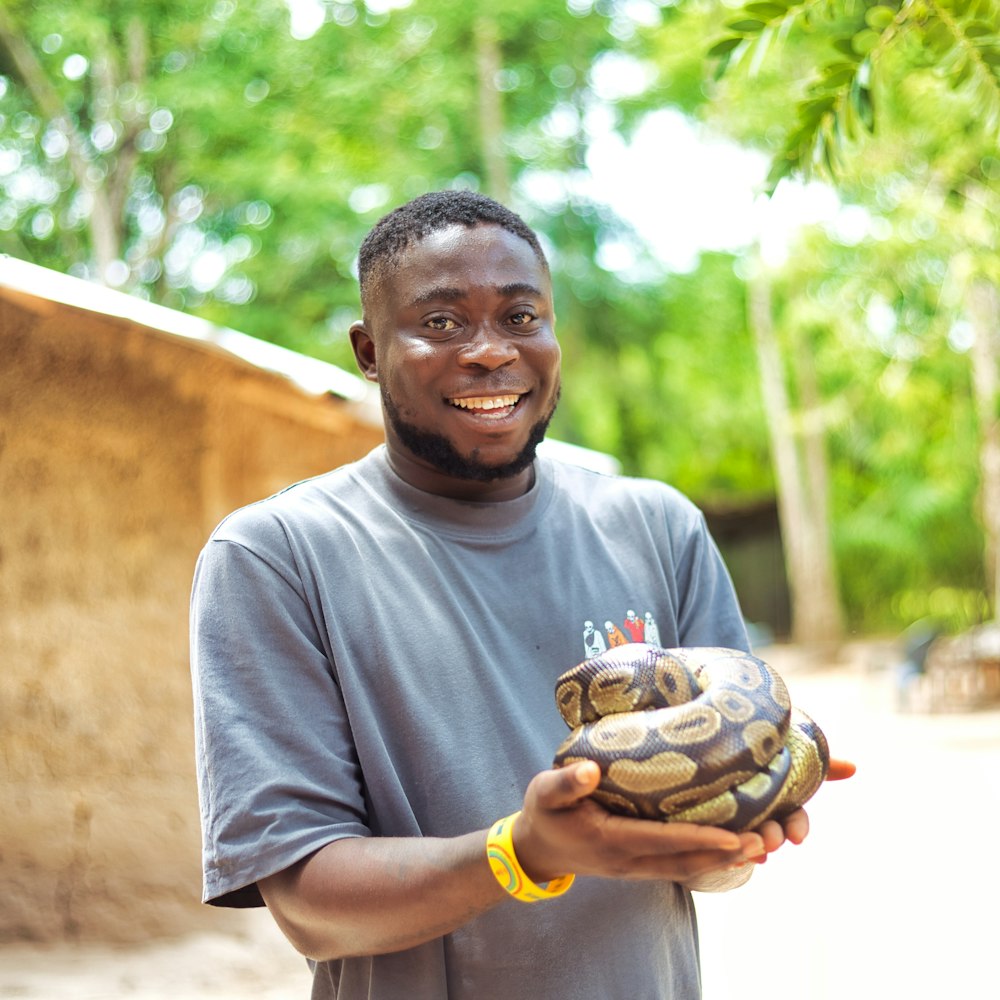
488, 348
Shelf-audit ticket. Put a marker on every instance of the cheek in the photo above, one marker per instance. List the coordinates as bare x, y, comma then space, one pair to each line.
407, 375
547, 357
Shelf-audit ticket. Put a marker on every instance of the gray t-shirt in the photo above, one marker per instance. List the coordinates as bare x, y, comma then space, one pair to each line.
373, 660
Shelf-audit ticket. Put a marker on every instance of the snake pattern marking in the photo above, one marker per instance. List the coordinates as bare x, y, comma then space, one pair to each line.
699, 734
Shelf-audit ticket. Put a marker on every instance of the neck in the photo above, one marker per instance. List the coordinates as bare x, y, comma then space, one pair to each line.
424, 476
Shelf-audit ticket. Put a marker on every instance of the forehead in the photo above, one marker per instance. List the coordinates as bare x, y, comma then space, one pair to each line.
466, 259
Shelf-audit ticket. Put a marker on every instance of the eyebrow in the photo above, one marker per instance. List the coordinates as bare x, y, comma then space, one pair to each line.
445, 294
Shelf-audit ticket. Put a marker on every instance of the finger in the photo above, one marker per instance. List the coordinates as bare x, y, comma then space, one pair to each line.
682, 867
772, 834
565, 786
840, 769
796, 826
651, 837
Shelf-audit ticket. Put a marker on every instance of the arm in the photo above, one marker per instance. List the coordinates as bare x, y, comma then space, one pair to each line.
376, 895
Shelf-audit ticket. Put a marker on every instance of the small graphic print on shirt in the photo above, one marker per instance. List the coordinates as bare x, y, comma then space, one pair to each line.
593, 641
634, 628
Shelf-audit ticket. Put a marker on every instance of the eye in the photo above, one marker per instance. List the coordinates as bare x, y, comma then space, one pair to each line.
442, 324
522, 318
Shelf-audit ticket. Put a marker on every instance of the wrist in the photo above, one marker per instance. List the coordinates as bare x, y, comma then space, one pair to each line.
507, 869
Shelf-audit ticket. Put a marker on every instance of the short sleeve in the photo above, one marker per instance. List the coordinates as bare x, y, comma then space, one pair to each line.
278, 775
710, 613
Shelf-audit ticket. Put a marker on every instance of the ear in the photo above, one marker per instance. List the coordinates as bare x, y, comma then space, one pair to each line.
364, 351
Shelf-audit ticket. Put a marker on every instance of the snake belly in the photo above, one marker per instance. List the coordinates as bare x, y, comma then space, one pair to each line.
698, 734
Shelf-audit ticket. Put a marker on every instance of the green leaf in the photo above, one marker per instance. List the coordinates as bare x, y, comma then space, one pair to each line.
813, 110
828, 153
864, 41
845, 46
781, 167
939, 37
861, 98
879, 17
766, 11
721, 66
963, 74
977, 29
837, 74
724, 46
747, 26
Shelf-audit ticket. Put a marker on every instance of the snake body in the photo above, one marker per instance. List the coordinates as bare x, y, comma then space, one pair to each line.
702, 735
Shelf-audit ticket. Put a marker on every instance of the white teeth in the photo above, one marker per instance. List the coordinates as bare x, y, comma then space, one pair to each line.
485, 402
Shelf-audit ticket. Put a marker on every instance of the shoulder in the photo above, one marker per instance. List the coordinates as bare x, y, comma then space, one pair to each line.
607, 492
297, 510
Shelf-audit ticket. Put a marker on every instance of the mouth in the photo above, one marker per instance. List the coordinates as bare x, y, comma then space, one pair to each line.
491, 407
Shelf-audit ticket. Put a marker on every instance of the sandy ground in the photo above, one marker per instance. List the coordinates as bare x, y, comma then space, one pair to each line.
894, 894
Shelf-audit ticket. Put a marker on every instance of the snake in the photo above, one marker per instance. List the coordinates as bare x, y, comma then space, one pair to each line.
695, 734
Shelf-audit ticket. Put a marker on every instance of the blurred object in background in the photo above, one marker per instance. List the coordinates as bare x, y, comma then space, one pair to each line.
948, 673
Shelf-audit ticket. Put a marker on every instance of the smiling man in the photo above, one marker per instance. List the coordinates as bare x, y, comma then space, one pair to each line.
374, 655
462, 343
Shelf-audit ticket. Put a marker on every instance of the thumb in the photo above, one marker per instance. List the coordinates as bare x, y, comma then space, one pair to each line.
565, 786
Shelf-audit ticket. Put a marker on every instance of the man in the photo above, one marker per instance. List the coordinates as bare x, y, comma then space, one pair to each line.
375, 652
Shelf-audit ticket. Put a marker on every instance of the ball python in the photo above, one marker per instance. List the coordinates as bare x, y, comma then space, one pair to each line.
700, 734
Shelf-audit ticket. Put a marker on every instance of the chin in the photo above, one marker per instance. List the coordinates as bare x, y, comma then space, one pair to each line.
438, 450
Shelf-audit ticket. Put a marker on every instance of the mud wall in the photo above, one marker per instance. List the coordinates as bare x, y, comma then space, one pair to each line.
120, 448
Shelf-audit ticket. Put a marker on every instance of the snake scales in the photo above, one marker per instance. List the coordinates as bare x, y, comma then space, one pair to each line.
702, 735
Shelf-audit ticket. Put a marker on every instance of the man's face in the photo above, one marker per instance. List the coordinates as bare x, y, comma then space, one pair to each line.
459, 335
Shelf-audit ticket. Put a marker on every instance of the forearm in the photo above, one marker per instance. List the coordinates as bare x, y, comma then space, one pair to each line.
369, 896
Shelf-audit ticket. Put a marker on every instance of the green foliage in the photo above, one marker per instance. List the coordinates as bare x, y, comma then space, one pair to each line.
900, 422
680, 403
958, 39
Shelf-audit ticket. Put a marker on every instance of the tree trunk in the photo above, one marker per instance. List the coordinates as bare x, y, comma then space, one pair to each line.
801, 482
488, 65
984, 314
820, 562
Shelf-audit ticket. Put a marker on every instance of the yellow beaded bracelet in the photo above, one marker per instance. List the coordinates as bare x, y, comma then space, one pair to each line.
503, 864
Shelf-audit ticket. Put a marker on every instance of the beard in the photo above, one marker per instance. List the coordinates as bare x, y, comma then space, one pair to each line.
439, 452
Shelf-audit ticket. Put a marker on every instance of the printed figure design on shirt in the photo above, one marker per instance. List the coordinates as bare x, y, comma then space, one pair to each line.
616, 637
635, 628
651, 630
593, 641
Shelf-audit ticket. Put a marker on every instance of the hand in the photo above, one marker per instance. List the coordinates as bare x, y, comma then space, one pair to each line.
795, 826
562, 831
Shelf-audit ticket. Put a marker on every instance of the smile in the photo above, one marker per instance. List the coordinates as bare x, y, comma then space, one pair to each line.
484, 404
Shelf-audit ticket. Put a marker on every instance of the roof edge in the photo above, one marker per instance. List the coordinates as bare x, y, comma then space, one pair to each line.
310, 374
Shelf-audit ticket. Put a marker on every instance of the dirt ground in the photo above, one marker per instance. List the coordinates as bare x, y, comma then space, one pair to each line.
894, 894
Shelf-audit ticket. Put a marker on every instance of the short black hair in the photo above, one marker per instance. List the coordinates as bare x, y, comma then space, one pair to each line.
418, 218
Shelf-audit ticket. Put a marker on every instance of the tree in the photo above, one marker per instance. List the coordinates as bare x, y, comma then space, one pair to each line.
799, 454
899, 105
872, 65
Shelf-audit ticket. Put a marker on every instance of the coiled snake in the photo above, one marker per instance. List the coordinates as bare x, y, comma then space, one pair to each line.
702, 735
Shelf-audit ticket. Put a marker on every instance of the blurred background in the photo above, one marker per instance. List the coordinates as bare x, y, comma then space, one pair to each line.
772, 230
